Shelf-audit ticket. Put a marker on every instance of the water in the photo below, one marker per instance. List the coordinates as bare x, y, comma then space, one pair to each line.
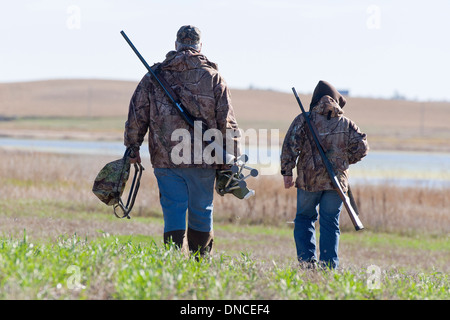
392, 167
67, 146
404, 168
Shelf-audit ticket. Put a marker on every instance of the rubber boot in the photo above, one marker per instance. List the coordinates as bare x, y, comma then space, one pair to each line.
176, 236
201, 242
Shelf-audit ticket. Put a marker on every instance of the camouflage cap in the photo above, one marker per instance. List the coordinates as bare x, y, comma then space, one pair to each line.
189, 35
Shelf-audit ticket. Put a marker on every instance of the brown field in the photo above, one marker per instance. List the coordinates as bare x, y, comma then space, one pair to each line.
41, 176
390, 124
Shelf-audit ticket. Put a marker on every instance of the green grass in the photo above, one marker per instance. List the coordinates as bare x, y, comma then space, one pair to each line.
414, 241
104, 260
139, 267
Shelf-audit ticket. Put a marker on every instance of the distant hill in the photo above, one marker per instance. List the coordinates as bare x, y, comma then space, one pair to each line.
383, 120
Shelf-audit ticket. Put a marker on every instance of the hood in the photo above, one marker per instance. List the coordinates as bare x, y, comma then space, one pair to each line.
324, 88
329, 107
186, 59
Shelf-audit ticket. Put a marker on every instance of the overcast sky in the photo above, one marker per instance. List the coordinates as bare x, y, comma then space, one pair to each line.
371, 48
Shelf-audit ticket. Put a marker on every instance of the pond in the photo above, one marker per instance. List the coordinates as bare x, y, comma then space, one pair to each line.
397, 167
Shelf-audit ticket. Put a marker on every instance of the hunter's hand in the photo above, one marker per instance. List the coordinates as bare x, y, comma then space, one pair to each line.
288, 182
136, 158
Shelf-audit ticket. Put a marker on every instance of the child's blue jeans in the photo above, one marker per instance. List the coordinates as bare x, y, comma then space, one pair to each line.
330, 206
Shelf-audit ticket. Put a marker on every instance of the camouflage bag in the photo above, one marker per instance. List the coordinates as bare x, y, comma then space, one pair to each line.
111, 181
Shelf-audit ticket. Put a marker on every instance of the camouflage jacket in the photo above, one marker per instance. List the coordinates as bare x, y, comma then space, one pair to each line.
201, 89
345, 144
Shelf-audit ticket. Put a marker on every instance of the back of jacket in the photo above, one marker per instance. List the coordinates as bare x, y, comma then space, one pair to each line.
201, 90
342, 140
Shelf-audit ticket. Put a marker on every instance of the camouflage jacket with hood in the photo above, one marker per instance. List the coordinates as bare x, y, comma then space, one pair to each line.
342, 140
201, 89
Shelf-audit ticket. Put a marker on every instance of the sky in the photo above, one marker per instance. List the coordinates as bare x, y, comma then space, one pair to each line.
377, 48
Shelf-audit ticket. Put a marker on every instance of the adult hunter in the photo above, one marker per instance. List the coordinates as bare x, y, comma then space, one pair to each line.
344, 144
184, 186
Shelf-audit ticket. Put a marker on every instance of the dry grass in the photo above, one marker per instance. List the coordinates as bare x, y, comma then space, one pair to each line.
383, 208
50, 195
28, 175
74, 98
406, 209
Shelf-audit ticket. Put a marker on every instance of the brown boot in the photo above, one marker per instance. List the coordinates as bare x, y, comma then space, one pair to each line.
200, 241
176, 236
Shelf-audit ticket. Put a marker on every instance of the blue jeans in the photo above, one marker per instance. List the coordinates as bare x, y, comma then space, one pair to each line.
330, 206
186, 189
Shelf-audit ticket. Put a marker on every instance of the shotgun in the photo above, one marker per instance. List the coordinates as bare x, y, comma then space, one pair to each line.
351, 209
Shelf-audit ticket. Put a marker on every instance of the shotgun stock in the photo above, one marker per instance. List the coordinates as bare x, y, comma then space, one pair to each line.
352, 212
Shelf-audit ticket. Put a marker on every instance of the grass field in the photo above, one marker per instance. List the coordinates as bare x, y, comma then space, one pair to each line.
58, 241
137, 267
